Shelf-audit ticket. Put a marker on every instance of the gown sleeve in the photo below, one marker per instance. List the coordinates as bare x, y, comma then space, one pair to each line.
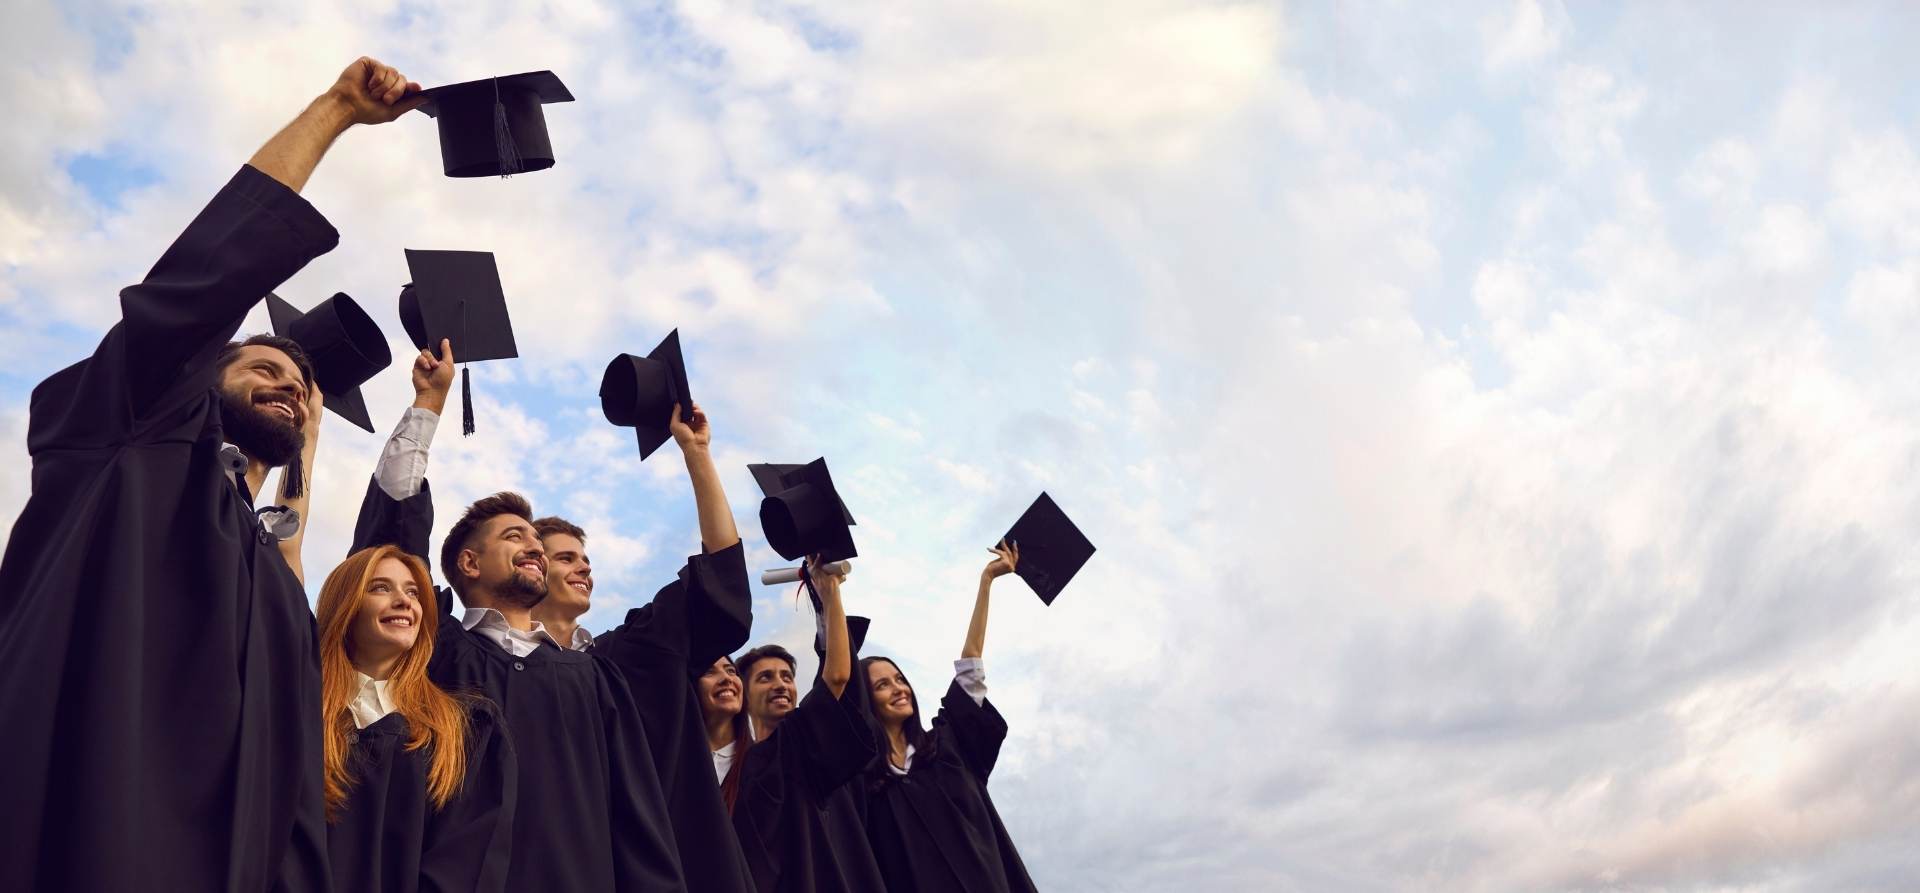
831, 735
976, 730
252, 236
469, 842
644, 854
407, 523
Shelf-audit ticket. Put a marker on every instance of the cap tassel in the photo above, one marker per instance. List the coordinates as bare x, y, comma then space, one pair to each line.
466, 401
503, 138
292, 477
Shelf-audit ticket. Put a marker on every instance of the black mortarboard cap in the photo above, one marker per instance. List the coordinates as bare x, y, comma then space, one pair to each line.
856, 637
639, 392
456, 295
802, 514
345, 345
494, 126
1051, 548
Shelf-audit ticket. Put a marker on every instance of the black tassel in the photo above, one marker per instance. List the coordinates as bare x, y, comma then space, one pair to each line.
466, 401
503, 138
292, 477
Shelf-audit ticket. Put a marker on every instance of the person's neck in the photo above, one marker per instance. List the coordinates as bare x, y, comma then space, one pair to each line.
897, 743
517, 617
559, 626
380, 669
764, 726
256, 476
719, 731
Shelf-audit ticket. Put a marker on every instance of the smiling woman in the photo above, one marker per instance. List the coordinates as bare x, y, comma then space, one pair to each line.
407, 764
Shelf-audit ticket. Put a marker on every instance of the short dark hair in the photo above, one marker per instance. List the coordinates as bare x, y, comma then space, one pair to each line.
552, 524
745, 664
484, 510
287, 346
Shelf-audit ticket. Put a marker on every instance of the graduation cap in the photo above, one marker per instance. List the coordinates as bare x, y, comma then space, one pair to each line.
639, 392
456, 295
856, 637
802, 514
495, 126
345, 345
1051, 548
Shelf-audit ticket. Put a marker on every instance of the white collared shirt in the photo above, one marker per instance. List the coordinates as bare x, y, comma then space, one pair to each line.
582, 640
494, 626
971, 673
722, 761
403, 461
278, 520
371, 703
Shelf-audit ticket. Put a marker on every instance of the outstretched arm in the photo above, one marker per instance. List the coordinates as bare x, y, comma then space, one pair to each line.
398, 507
1006, 558
367, 92
838, 667
717, 530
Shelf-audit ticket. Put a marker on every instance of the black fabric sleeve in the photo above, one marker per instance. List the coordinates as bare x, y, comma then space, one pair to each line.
832, 735
975, 730
469, 842
407, 523
704, 613
644, 854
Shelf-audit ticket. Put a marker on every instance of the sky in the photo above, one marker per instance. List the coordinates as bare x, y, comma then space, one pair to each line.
1497, 420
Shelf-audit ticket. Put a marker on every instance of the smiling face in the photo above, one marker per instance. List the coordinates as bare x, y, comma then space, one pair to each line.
263, 398
569, 575
892, 696
770, 691
387, 621
504, 560
720, 689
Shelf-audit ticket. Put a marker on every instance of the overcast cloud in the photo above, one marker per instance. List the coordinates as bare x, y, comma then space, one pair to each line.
1499, 422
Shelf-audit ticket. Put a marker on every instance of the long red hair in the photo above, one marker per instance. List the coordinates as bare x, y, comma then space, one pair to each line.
435, 719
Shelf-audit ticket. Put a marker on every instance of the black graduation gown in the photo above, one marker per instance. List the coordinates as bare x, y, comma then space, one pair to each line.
591, 815
786, 782
389, 838
935, 829
158, 669
662, 647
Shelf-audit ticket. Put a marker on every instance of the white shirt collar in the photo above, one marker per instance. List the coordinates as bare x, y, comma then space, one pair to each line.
722, 761
370, 703
278, 520
494, 626
901, 770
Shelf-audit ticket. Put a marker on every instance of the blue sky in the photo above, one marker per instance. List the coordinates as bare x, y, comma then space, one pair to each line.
1495, 419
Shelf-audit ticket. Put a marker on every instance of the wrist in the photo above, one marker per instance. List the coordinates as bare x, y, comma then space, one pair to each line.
333, 110
431, 402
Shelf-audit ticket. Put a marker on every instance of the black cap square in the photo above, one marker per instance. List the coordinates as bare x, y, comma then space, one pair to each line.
802, 513
457, 295
640, 392
346, 347
1051, 548
495, 126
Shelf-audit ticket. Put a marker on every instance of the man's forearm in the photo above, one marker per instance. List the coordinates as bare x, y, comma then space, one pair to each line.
717, 530
292, 154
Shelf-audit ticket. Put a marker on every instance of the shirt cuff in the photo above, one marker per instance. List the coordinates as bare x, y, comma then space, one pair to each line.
971, 674
403, 461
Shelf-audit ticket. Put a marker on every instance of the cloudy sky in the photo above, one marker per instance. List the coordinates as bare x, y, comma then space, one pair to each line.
1499, 423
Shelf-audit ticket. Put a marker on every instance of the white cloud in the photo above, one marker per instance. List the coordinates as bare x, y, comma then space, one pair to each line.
1525, 35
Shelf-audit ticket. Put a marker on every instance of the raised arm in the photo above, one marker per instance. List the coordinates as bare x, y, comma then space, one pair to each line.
837, 669
1006, 558
367, 92
398, 507
717, 530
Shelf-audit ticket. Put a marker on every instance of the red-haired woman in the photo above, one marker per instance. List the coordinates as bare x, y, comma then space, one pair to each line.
419, 783
931, 823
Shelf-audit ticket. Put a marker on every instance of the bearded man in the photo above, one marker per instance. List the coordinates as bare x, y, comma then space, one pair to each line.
157, 666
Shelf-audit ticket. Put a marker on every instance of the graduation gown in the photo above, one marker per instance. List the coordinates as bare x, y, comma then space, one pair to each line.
661, 647
591, 815
786, 782
389, 838
935, 829
158, 669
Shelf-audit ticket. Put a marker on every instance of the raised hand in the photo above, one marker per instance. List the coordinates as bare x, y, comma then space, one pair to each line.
697, 434
1005, 561
433, 378
375, 92
310, 423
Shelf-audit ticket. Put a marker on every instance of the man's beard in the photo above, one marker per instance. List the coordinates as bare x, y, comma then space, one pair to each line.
263, 437
520, 592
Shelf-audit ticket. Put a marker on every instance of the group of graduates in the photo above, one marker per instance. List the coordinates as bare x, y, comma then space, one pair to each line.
179, 719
